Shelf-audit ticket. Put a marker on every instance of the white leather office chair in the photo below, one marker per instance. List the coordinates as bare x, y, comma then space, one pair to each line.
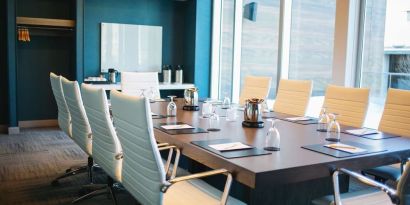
106, 148
350, 103
136, 83
143, 173
255, 87
64, 121
379, 195
81, 131
293, 97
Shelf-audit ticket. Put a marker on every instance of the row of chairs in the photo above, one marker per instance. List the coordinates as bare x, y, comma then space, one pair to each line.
128, 152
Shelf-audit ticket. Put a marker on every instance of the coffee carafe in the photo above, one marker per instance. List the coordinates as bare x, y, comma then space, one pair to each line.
252, 113
191, 99
112, 75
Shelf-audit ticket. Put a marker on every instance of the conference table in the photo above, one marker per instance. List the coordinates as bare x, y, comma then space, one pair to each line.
293, 175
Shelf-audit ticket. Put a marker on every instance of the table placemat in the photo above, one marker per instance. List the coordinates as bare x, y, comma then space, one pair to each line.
194, 130
377, 136
341, 154
229, 154
283, 117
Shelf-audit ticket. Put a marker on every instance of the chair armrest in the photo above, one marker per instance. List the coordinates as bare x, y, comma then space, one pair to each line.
171, 149
227, 188
370, 182
162, 144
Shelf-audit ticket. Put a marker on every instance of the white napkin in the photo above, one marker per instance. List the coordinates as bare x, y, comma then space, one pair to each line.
177, 127
230, 146
345, 148
298, 118
362, 131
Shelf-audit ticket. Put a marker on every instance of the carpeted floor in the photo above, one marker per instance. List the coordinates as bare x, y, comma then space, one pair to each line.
31, 160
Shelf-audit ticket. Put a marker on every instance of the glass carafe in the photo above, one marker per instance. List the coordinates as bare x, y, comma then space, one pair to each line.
323, 121
272, 140
172, 107
333, 129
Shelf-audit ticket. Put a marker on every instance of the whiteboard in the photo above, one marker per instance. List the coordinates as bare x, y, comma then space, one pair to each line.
127, 47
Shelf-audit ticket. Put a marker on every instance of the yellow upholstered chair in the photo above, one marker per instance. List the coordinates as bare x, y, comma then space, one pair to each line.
293, 97
350, 103
255, 87
396, 114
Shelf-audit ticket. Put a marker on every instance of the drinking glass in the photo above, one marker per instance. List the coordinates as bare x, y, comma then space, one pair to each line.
172, 107
333, 130
206, 109
226, 103
231, 114
272, 140
142, 92
214, 122
265, 107
323, 121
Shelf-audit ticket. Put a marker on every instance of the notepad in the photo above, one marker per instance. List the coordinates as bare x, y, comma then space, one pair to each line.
345, 148
177, 127
230, 146
298, 118
362, 131
154, 114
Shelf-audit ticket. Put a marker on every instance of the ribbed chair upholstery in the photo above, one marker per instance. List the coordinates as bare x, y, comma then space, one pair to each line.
81, 131
133, 83
293, 97
64, 118
143, 173
106, 146
395, 120
396, 114
255, 87
380, 194
350, 103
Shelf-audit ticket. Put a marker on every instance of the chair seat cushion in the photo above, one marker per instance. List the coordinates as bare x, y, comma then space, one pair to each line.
386, 172
369, 196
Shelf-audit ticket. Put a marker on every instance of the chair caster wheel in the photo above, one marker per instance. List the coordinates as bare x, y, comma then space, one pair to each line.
68, 170
55, 183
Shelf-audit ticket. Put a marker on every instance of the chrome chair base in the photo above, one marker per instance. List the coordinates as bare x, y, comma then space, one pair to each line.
70, 172
100, 189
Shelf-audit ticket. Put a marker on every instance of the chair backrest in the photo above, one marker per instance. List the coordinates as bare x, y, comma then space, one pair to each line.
106, 146
350, 103
81, 131
293, 97
143, 173
133, 83
255, 87
403, 186
64, 118
396, 114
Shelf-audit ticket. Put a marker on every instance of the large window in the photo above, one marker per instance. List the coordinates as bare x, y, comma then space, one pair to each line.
386, 52
311, 42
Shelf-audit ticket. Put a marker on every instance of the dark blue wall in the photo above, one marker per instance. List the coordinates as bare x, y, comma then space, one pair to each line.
3, 64
166, 13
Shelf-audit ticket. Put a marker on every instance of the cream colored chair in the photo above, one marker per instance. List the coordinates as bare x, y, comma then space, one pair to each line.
350, 103
143, 173
255, 87
395, 120
138, 83
293, 97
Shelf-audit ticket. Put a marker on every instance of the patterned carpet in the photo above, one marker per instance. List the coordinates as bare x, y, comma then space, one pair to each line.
31, 160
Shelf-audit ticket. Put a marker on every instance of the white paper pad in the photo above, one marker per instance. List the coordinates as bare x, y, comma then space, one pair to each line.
298, 118
230, 146
159, 100
177, 127
363, 131
345, 148
154, 114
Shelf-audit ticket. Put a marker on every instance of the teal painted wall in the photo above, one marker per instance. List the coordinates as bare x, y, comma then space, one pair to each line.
3, 64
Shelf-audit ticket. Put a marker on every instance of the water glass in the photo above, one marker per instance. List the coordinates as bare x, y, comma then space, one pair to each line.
206, 109
272, 140
214, 124
323, 121
172, 107
231, 114
333, 129
226, 103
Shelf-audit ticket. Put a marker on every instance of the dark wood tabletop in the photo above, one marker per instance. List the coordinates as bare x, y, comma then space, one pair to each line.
291, 164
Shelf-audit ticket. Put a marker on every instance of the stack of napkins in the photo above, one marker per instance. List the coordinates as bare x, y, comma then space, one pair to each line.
298, 118
362, 131
177, 127
345, 148
230, 146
